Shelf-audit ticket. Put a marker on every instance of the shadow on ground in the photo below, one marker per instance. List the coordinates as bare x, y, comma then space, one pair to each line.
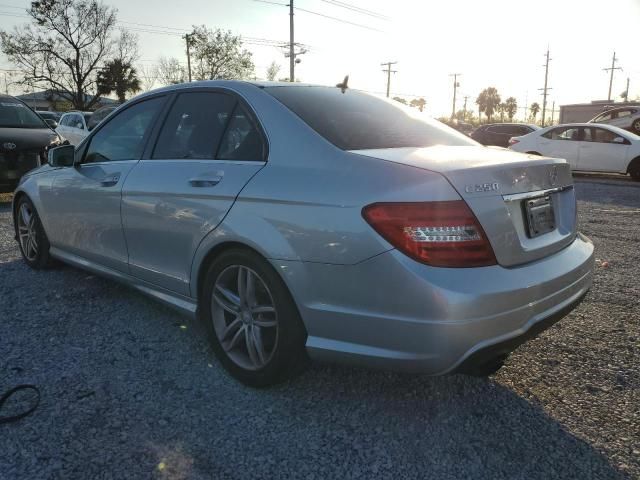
131, 390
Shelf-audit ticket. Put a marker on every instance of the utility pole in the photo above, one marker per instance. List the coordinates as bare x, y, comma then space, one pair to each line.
626, 98
388, 71
612, 68
553, 111
187, 38
292, 55
464, 109
455, 89
526, 105
545, 89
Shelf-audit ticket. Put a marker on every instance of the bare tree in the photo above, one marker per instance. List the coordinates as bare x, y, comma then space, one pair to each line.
272, 71
63, 47
218, 54
148, 77
170, 71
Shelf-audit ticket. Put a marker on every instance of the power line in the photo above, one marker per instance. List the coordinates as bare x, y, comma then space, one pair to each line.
356, 9
337, 19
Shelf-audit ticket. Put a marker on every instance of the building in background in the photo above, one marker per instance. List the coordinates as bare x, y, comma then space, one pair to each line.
583, 112
50, 100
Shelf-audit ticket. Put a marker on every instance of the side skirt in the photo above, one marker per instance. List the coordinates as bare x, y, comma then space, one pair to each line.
185, 305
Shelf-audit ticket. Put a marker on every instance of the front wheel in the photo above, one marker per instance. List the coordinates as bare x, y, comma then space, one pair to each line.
253, 323
635, 126
32, 239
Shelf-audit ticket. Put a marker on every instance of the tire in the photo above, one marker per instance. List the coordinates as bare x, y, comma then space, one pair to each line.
635, 126
32, 239
256, 333
487, 368
634, 169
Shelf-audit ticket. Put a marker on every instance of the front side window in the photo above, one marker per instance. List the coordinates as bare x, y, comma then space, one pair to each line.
242, 140
123, 137
194, 126
355, 120
603, 117
15, 114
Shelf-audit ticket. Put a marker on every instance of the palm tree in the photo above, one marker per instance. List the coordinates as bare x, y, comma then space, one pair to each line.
502, 108
535, 108
119, 77
488, 101
511, 106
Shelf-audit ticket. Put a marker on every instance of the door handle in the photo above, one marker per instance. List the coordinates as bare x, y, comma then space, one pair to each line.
110, 181
205, 181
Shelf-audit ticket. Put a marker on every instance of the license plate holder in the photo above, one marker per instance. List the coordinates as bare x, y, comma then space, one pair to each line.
540, 216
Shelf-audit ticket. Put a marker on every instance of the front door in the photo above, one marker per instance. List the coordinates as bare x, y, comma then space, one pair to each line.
561, 142
86, 220
603, 151
208, 148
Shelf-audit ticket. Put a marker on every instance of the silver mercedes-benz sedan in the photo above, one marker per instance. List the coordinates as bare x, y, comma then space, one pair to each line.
298, 220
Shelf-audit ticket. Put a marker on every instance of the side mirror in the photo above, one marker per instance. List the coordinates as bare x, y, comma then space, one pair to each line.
52, 123
63, 156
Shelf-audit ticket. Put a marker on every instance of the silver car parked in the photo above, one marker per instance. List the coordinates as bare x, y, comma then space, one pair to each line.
301, 220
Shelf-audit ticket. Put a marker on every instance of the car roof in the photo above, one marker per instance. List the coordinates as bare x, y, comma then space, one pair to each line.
606, 126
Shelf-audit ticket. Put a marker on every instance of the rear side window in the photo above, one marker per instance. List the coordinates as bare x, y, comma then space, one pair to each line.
123, 137
355, 120
242, 140
194, 126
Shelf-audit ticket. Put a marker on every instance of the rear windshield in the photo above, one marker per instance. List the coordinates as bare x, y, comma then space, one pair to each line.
15, 114
356, 120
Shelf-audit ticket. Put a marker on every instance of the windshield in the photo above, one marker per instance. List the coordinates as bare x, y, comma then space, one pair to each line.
14, 114
354, 120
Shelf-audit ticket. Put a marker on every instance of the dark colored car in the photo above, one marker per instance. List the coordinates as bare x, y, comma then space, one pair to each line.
24, 140
100, 115
498, 134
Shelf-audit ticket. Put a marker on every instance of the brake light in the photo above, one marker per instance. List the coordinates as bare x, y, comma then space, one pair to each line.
440, 234
513, 141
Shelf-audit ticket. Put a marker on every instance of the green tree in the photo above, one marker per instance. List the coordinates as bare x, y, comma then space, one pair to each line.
401, 100
511, 107
535, 108
488, 101
218, 54
419, 103
118, 77
272, 71
63, 46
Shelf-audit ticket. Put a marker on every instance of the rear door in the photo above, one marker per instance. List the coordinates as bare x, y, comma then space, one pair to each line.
561, 142
208, 147
603, 151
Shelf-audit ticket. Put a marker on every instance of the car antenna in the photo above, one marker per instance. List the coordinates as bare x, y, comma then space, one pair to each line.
344, 85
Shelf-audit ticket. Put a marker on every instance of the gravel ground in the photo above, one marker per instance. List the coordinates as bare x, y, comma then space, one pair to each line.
131, 390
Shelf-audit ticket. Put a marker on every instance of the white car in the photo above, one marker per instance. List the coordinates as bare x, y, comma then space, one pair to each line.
586, 147
623, 117
73, 126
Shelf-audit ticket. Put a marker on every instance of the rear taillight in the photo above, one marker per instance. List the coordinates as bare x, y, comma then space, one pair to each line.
513, 141
441, 234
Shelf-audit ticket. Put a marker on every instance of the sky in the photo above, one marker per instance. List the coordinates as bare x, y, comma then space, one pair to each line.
499, 43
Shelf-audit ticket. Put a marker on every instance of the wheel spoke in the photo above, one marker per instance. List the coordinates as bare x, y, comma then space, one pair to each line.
251, 347
251, 289
265, 323
256, 333
34, 245
24, 213
235, 339
263, 309
22, 228
228, 300
235, 324
242, 285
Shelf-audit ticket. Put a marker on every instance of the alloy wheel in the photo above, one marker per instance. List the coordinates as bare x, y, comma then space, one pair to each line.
244, 317
27, 232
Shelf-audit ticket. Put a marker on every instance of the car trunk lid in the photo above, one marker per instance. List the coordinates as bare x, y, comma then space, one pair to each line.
525, 203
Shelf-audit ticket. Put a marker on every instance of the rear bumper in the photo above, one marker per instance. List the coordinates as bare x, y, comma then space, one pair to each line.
392, 312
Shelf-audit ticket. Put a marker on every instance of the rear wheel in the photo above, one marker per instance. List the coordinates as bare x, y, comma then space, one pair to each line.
33, 241
634, 169
253, 323
635, 126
